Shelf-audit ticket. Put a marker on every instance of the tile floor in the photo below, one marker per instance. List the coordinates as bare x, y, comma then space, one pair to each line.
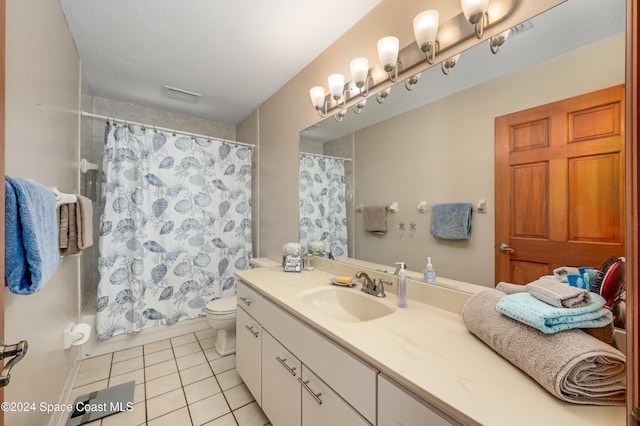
178, 381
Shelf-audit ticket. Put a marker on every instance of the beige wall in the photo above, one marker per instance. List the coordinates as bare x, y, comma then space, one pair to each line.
289, 110
428, 155
42, 131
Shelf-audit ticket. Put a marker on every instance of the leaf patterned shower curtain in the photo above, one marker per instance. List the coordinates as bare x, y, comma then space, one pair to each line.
175, 226
323, 212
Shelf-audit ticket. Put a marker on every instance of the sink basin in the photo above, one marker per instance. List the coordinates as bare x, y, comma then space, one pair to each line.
346, 304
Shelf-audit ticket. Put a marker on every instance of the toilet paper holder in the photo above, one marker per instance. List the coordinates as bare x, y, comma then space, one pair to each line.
76, 334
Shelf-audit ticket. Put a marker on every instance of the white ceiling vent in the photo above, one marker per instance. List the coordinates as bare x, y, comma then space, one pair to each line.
183, 95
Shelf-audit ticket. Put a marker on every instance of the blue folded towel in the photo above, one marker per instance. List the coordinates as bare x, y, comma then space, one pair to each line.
549, 319
451, 221
31, 234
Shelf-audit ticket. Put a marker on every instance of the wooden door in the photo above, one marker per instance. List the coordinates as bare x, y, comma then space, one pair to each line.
560, 182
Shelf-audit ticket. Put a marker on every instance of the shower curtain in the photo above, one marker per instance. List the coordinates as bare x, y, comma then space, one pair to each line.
175, 226
323, 212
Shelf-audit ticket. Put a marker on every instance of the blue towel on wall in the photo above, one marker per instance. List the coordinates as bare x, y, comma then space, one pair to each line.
451, 221
525, 308
31, 235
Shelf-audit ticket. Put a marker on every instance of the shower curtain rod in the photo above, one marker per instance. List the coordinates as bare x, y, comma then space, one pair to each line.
163, 129
324, 156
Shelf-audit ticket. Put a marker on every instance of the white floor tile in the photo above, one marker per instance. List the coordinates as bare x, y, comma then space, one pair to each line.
238, 396
229, 379
158, 357
95, 362
92, 375
226, 420
207, 343
212, 354
91, 387
187, 349
162, 385
250, 415
127, 354
135, 417
195, 374
179, 417
183, 340
206, 333
157, 346
126, 366
201, 390
137, 376
191, 360
223, 364
165, 403
208, 409
161, 369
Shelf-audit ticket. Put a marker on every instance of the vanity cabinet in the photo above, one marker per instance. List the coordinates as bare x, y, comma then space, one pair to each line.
321, 406
398, 407
292, 395
249, 352
280, 372
295, 364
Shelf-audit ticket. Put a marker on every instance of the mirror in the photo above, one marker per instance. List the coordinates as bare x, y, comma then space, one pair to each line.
436, 142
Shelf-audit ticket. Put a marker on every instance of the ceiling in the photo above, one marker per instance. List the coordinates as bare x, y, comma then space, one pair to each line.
236, 54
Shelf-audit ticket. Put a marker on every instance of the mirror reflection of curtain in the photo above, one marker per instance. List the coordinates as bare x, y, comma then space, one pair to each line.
323, 215
175, 226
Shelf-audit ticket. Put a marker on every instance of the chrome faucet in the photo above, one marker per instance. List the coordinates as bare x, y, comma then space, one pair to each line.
369, 286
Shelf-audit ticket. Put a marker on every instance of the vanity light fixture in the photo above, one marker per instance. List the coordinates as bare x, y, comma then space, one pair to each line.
411, 82
360, 75
357, 108
388, 48
425, 29
383, 95
496, 41
336, 88
475, 12
447, 64
317, 99
340, 115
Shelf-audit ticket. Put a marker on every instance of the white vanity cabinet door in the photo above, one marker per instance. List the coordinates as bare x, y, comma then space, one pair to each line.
250, 300
280, 387
321, 406
249, 352
397, 407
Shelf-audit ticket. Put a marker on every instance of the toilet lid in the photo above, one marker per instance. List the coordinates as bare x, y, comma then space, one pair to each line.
224, 305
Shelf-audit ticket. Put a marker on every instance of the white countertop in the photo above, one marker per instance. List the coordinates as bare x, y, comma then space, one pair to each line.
430, 351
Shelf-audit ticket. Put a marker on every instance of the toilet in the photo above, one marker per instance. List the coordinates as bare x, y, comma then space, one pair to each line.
221, 315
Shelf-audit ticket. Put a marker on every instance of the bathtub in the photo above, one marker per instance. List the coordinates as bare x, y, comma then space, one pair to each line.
95, 347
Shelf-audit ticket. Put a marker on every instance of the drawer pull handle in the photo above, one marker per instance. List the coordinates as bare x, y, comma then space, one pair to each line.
246, 300
252, 331
316, 396
291, 370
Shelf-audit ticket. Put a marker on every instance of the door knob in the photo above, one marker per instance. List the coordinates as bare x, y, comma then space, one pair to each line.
505, 247
18, 352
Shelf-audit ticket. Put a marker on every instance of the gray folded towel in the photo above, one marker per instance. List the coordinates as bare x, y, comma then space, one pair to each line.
84, 222
571, 365
375, 219
509, 288
63, 226
557, 294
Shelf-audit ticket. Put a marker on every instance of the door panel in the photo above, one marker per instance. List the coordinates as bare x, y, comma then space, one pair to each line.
2, 131
560, 182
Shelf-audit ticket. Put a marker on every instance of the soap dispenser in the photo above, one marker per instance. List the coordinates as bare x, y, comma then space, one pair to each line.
429, 272
402, 286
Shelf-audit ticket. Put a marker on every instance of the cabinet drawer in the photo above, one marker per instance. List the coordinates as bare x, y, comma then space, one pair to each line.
248, 352
352, 379
321, 406
398, 407
250, 300
281, 390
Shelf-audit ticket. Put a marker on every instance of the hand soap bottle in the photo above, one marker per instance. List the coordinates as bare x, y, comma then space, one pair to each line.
402, 286
429, 272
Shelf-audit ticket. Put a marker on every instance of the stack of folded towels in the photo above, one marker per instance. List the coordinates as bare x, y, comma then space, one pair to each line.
538, 331
551, 306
